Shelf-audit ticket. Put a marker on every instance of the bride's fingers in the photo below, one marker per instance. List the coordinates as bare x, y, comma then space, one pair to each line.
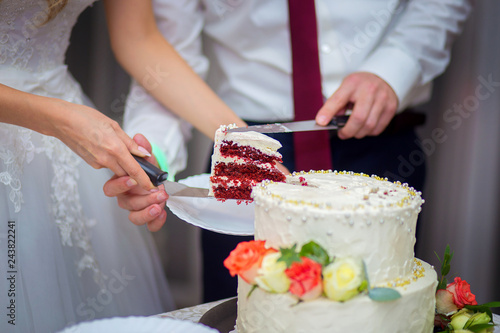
120, 148
147, 215
115, 167
133, 202
132, 146
118, 185
134, 170
158, 222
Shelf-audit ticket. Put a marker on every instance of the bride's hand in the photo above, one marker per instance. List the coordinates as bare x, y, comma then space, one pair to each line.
145, 207
99, 140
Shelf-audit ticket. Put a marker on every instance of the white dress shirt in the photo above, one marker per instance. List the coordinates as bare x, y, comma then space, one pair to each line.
246, 44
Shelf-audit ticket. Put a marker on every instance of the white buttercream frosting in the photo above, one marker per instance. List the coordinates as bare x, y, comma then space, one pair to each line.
348, 214
259, 141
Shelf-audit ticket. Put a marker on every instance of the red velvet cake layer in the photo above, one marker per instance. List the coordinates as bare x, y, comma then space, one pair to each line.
231, 149
247, 171
239, 193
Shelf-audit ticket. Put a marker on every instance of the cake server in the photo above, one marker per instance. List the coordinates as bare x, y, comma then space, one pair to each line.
294, 126
159, 177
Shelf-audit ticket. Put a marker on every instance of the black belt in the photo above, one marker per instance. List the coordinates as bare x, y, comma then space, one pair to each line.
405, 121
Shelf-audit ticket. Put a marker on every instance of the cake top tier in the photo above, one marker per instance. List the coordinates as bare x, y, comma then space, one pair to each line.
338, 191
256, 140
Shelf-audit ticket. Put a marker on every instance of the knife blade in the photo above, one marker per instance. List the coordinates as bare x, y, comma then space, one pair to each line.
158, 177
294, 126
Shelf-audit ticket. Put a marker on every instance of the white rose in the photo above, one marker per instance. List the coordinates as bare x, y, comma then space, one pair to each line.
271, 274
343, 279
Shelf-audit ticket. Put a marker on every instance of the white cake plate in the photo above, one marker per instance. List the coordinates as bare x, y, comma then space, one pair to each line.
226, 217
139, 325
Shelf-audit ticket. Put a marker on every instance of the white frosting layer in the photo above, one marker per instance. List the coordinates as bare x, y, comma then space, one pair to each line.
347, 214
259, 141
233, 182
241, 161
264, 312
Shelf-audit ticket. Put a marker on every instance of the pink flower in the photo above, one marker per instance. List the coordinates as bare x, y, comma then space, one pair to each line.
461, 293
456, 295
305, 279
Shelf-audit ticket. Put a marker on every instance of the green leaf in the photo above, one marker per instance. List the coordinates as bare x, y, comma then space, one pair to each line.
289, 255
479, 328
363, 286
315, 252
480, 308
251, 290
445, 267
445, 270
488, 305
483, 308
383, 294
447, 260
442, 284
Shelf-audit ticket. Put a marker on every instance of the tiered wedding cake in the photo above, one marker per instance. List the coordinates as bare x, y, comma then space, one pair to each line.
366, 225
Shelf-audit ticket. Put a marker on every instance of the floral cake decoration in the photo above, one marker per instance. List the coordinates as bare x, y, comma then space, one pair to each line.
306, 273
456, 306
309, 272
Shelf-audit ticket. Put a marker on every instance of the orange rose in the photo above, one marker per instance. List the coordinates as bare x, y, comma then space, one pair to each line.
246, 259
461, 293
305, 279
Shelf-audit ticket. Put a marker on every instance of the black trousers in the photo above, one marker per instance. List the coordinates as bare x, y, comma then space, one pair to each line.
395, 154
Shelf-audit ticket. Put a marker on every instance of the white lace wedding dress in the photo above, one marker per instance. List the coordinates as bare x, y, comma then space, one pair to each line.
67, 253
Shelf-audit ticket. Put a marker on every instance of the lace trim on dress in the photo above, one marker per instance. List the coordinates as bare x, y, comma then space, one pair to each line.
67, 209
15, 151
30, 43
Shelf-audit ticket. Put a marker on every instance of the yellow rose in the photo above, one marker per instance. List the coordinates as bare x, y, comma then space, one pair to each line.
465, 317
343, 279
271, 274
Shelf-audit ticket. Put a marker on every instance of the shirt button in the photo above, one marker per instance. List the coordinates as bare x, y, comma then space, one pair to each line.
326, 48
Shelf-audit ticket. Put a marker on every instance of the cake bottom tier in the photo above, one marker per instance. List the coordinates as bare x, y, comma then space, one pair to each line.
264, 312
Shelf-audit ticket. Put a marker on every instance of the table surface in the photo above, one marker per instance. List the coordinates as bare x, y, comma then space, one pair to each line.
194, 313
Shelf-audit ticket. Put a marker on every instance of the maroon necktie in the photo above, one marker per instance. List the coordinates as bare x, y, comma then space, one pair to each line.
312, 149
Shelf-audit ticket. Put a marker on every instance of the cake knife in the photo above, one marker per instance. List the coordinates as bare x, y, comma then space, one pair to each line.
158, 177
294, 126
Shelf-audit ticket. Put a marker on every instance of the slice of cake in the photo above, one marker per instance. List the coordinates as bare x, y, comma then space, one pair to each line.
240, 161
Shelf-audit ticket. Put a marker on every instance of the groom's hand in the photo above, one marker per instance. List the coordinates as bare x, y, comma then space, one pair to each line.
375, 104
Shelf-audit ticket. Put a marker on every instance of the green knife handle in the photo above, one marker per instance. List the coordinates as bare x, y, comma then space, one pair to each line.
156, 175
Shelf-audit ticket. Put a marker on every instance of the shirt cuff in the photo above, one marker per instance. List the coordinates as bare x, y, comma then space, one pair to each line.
397, 68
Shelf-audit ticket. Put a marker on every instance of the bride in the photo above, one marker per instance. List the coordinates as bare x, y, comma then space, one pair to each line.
69, 253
